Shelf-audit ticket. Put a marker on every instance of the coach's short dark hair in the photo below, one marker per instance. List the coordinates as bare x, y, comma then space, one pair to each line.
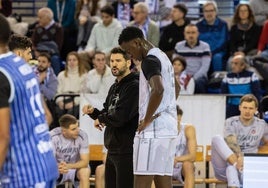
66, 120
118, 50
130, 33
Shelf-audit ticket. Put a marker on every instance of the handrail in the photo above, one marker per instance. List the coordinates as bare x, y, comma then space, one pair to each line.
27, 8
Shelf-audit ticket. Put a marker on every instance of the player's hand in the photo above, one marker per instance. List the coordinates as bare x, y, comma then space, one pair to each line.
87, 109
98, 125
143, 124
62, 167
240, 162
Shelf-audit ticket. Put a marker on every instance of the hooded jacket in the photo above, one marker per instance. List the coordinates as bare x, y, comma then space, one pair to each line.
120, 115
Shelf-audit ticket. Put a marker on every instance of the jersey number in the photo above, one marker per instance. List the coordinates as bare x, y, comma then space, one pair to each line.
35, 99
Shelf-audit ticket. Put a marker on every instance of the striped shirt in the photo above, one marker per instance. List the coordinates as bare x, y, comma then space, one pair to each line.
30, 157
241, 83
198, 58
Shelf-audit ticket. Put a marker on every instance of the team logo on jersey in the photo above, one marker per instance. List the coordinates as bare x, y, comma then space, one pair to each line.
25, 69
253, 131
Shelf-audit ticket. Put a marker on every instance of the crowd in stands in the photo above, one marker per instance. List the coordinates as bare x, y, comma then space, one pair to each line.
71, 42
203, 47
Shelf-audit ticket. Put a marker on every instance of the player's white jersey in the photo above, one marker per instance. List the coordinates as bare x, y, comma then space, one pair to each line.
166, 124
248, 137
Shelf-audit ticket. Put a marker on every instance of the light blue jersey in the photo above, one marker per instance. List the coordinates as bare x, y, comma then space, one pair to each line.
30, 159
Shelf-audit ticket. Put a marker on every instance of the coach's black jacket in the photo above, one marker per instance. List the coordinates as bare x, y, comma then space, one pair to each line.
120, 115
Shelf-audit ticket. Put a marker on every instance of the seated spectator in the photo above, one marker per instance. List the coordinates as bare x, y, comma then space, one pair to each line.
70, 146
47, 78
185, 153
263, 42
197, 55
85, 23
123, 10
104, 35
99, 79
260, 10
186, 81
242, 134
70, 81
239, 81
242, 31
48, 36
173, 32
214, 31
64, 14
141, 20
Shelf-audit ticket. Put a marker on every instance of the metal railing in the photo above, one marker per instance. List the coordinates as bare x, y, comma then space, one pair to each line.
27, 8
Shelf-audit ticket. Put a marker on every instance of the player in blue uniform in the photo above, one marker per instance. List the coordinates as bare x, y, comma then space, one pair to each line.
26, 159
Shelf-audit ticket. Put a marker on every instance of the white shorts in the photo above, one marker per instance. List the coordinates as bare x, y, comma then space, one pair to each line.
154, 156
70, 176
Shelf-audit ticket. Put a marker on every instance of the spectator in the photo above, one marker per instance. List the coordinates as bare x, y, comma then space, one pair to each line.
70, 145
214, 31
85, 22
260, 10
243, 28
141, 20
123, 10
185, 80
173, 32
48, 81
197, 55
242, 134
105, 34
48, 37
239, 82
70, 81
263, 42
64, 14
99, 79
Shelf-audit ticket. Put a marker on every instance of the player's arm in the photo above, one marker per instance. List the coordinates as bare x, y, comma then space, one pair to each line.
4, 133
4, 117
48, 114
82, 163
231, 141
155, 99
190, 135
151, 68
